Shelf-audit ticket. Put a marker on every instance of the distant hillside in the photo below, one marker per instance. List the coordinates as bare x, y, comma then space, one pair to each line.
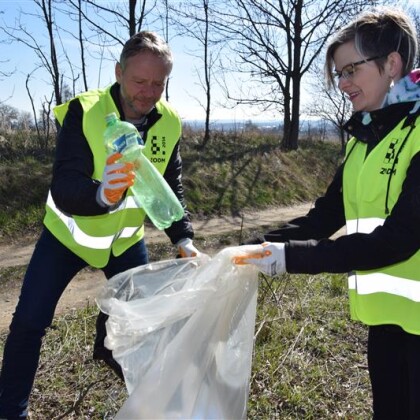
309, 128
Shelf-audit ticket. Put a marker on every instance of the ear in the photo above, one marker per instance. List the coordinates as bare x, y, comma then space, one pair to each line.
118, 72
394, 65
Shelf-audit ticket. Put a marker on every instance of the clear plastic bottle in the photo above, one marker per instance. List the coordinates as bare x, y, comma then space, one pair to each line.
150, 189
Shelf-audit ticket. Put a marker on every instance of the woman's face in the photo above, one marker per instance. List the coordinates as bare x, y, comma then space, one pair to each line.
360, 80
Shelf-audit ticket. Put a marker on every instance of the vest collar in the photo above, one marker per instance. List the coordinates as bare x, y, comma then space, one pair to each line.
383, 121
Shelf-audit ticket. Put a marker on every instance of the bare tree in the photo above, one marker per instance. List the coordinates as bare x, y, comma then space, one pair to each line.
114, 21
28, 90
196, 25
207, 61
47, 122
104, 26
47, 56
328, 105
332, 107
7, 115
275, 43
43, 123
52, 55
24, 121
81, 43
5, 75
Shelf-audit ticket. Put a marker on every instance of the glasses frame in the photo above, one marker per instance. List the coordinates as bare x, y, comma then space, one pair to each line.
346, 74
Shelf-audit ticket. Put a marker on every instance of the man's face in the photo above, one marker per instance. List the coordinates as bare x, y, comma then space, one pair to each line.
142, 83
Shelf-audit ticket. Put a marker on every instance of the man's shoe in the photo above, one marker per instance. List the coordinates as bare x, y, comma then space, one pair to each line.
100, 352
106, 356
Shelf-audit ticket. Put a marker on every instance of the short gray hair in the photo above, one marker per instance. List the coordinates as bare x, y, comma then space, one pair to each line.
146, 41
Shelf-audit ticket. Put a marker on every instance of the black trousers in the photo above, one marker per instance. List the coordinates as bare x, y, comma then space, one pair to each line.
394, 369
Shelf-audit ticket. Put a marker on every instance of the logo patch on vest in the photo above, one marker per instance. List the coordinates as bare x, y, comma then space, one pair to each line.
391, 152
390, 159
158, 150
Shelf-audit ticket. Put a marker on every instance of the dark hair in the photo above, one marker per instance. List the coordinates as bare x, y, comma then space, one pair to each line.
377, 34
146, 41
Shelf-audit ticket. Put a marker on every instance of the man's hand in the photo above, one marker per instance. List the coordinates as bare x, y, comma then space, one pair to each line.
268, 257
186, 248
116, 178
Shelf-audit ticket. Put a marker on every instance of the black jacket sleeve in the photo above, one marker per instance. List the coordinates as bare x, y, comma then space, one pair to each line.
396, 240
72, 186
173, 175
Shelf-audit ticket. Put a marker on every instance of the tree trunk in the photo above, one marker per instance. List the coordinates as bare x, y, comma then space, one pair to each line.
284, 145
132, 17
207, 74
290, 142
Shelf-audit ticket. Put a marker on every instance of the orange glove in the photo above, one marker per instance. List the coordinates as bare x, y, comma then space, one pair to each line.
269, 257
116, 178
186, 249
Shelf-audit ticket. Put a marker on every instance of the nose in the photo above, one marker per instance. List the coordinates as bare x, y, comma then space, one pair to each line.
343, 83
146, 90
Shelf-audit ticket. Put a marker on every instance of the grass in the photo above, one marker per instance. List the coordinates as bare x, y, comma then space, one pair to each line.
23, 192
234, 173
309, 358
253, 172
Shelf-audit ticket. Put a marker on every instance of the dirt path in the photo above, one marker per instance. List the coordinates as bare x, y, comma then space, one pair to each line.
85, 286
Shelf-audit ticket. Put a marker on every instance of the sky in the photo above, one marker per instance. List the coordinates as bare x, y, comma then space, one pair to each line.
184, 87
184, 90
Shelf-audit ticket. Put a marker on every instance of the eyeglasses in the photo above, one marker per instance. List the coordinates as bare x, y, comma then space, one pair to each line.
348, 71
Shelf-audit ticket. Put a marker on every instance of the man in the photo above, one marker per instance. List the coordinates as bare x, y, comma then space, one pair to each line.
89, 220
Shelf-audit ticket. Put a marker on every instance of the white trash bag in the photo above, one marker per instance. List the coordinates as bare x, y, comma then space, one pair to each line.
182, 331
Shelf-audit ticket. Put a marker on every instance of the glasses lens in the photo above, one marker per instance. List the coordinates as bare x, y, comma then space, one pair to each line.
347, 72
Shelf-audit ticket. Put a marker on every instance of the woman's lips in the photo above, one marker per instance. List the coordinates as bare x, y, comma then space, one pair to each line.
353, 95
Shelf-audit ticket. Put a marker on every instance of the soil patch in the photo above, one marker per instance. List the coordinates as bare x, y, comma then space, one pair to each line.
85, 286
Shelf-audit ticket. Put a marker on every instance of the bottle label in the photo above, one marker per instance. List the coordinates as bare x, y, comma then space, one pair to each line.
126, 141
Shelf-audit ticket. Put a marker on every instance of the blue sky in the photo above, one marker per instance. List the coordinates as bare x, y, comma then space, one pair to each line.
184, 89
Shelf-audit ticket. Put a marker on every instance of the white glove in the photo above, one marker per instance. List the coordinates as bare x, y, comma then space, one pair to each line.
268, 257
116, 178
186, 249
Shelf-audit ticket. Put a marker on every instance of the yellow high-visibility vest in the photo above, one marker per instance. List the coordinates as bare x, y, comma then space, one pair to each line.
93, 238
371, 187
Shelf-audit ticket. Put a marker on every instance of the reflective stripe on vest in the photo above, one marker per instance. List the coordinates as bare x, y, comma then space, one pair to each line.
390, 294
365, 284
94, 242
379, 282
367, 225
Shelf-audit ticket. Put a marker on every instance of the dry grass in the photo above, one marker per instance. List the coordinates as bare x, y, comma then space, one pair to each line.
309, 359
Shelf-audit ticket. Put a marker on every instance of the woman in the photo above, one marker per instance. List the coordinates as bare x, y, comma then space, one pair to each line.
376, 193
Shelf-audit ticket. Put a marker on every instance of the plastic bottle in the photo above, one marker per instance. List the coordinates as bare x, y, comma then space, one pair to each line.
150, 189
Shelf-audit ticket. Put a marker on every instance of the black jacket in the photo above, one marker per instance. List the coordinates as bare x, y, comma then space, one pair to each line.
72, 186
308, 249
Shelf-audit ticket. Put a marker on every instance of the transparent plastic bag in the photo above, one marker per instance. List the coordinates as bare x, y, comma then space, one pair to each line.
182, 331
